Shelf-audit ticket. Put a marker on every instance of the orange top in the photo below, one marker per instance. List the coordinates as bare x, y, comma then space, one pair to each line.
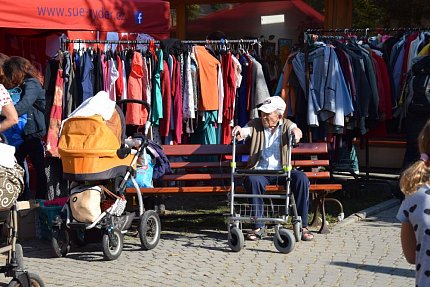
287, 92
136, 113
208, 76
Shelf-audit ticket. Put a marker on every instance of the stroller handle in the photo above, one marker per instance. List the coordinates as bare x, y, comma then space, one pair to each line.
134, 101
147, 106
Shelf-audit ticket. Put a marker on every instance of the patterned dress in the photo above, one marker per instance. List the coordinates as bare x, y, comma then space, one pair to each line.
415, 209
4, 97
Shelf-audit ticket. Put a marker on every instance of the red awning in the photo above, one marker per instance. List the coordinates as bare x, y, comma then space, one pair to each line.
139, 16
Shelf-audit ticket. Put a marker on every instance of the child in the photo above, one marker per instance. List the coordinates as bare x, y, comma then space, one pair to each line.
414, 212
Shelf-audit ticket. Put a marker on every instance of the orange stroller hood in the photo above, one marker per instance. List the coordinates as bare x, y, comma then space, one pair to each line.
88, 148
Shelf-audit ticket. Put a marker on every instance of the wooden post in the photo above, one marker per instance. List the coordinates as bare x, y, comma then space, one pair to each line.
181, 21
338, 14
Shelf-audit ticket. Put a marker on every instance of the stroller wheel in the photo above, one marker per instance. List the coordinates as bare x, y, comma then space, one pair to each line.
35, 281
236, 239
60, 241
284, 241
149, 229
112, 242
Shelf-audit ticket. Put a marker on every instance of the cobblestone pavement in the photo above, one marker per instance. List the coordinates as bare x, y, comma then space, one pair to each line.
363, 253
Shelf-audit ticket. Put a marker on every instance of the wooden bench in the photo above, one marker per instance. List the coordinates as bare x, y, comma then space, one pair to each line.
206, 169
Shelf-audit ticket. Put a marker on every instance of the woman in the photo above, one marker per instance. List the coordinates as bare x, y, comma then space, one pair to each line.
19, 72
7, 110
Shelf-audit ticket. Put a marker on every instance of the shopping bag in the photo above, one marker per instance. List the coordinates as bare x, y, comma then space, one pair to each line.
11, 185
84, 203
143, 172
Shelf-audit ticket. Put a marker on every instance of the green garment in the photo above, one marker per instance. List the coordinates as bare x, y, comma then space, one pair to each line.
157, 101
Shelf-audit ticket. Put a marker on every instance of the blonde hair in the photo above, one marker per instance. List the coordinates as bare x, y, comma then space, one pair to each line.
418, 173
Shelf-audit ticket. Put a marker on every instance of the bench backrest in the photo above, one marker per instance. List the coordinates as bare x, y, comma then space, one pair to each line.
308, 156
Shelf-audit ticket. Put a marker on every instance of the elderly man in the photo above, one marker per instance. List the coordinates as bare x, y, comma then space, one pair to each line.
268, 151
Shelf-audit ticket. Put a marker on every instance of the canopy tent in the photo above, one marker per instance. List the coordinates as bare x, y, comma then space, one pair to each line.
27, 26
148, 16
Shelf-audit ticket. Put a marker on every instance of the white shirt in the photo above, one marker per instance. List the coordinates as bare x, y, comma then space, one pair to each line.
271, 154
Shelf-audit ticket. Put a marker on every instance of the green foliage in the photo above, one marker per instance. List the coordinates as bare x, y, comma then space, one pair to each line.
366, 13
390, 13
192, 12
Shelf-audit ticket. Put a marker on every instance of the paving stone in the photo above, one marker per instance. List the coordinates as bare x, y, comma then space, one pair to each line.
363, 253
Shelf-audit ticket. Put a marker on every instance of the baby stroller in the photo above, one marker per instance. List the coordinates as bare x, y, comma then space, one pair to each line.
11, 185
96, 160
276, 208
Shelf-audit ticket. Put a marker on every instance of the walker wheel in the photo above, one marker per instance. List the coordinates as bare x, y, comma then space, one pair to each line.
236, 240
284, 241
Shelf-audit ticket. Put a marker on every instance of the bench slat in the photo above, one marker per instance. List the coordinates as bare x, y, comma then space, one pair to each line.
215, 176
220, 149
223, 189
187, 164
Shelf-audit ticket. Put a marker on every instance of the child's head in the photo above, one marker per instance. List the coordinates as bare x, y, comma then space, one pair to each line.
419, 172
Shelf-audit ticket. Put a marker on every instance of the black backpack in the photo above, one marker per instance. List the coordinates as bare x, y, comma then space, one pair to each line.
420, 101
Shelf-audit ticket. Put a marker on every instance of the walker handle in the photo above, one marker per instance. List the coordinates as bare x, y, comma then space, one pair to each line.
293, 140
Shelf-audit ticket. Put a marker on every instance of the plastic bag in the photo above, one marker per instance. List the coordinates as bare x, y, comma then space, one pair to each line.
14, 134
143, 172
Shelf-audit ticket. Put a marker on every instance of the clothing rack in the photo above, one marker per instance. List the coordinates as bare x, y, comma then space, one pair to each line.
222, 41
109, 42
366, 30
344, 33
135, 42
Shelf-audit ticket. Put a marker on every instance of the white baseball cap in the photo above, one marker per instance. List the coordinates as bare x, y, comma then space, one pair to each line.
272, 104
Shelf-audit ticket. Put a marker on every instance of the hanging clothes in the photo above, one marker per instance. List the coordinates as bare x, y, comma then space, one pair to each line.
157, 100
166, 93
208, 77
177, 101
55, 117
229, 79
136, 113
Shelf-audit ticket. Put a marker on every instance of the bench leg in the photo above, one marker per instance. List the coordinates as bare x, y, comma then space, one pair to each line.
318, 207
341, 215
315, 210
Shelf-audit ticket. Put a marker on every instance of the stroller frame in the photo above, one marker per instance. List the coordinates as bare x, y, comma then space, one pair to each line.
14, 266
277, 214
113, 223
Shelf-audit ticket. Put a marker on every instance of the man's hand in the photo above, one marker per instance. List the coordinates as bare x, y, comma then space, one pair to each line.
297, 134
237, 132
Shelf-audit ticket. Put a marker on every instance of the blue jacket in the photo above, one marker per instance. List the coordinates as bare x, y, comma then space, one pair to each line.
32, 103
162, 164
